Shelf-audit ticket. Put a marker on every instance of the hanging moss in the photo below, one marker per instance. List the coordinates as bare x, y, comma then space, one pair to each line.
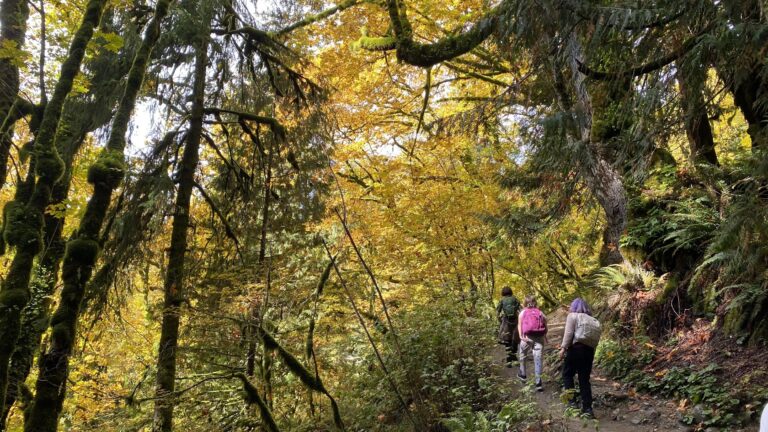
252, 397
309, 346
293, 364
310, 380
108, 170
324, 278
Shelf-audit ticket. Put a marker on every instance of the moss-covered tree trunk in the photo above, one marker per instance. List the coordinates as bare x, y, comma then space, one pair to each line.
82, 249
697, 127
174, 278
24, 220
747, 78
598, 121
749, 93
34, 320
81, 115
608, 188
13, 20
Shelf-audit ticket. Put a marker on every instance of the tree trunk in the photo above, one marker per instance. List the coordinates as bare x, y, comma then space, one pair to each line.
34, 319
174, 279
607, 186
749, 85
69, 140
255, 315
24, 220
82, 249
13, 20
603, 179
747, 95
697, 126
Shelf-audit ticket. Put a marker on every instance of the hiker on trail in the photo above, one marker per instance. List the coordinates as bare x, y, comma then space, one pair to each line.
507, 311
532, 327
582, 334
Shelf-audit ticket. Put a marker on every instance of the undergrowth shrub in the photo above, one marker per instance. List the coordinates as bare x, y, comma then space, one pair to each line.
445, 368
717, 405
619, 359
711, 403
512, 416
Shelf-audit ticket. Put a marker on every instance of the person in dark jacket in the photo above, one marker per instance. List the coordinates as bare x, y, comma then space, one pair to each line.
507, 311
578, 358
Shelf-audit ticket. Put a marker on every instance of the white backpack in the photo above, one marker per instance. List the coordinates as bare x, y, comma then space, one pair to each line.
588, 330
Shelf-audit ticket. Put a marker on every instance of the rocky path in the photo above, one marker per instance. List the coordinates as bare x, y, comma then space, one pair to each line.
617, 407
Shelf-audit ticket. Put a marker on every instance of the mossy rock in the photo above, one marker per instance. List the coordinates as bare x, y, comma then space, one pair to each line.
23, 227
108, 170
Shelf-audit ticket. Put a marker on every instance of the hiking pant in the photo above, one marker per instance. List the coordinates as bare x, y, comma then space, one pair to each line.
578, 360
512, 346
536, 345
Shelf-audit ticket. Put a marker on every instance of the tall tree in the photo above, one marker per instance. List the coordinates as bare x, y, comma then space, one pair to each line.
82, 250
173, 287
82, 115
24, 216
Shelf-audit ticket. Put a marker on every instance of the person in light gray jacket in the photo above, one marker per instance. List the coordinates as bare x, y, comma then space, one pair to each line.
578, 358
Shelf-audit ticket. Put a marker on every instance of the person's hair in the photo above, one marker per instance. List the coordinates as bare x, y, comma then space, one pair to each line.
506, 291
530, 301
579, 305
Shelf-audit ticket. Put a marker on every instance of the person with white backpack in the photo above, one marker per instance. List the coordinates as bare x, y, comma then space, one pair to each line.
582, 334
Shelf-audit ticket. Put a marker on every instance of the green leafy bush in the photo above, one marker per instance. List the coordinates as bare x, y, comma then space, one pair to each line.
620, 358
510, 417
716, 403
712, 403
445, 367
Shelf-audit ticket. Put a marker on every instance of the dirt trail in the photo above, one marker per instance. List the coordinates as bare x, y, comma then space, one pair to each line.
617, 407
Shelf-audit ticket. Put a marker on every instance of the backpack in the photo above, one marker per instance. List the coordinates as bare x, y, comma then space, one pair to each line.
510, 306
588, 330
534, 322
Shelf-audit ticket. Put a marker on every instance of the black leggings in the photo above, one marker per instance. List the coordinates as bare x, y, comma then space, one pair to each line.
578, 360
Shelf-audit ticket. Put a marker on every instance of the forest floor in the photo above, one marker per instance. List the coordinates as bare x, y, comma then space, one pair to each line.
617, 406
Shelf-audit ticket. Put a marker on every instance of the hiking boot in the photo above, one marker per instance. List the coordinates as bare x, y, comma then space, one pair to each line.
521, 377
588, 414
539, 386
